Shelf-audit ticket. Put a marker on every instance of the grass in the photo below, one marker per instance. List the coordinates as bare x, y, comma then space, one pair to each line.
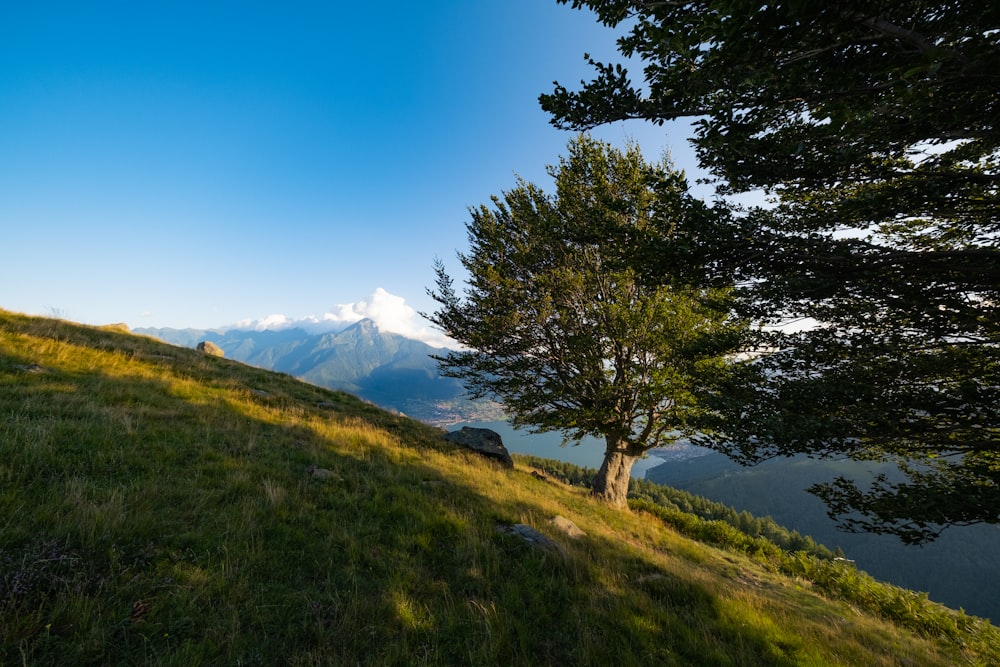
162, 507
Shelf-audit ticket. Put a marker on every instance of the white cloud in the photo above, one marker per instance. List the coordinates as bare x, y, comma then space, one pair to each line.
271, 322
388, 311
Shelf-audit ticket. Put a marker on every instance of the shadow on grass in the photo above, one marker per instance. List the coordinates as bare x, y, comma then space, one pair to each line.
157, 528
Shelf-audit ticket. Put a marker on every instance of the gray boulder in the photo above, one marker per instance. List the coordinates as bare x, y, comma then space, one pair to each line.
482, 441
532, 537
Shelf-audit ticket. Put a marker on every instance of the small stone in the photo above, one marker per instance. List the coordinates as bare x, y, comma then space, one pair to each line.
323, 473
210, 348
567, 527
30, 368
532, 537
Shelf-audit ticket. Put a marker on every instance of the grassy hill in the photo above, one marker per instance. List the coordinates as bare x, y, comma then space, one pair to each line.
159, 506
958, 569
388, 369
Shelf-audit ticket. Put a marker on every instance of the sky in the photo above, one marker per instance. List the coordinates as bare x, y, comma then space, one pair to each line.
201, 164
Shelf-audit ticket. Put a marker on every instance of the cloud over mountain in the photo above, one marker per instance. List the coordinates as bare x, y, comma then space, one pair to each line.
388, 311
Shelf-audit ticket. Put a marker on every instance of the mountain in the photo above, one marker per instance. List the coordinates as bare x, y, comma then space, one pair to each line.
390, 370
166, 507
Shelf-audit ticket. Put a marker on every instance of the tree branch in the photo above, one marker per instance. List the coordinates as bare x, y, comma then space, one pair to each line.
904, 35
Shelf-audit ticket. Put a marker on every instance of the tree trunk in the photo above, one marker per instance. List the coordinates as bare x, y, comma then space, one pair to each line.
611, 482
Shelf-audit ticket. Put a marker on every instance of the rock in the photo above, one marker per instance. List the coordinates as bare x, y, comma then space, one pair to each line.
210, 348
532, 537
323, 473
567, 527
483, 441
30, 368
654, 578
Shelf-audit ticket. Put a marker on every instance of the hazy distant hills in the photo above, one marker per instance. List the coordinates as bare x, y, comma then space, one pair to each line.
958, 569
388, 369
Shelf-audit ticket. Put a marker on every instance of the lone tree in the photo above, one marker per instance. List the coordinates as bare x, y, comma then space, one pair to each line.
875, 127
563, 329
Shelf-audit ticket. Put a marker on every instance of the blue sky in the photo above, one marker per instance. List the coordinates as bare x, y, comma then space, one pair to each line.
194, 164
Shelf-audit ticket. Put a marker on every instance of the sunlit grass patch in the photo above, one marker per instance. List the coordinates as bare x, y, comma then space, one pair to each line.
160, 507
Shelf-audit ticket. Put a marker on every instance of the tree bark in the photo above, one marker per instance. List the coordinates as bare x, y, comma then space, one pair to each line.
611, 482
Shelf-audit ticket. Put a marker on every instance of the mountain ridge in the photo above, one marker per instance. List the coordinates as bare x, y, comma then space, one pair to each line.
389, 369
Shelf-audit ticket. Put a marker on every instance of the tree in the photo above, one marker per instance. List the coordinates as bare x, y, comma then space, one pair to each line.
875, 129
564, 331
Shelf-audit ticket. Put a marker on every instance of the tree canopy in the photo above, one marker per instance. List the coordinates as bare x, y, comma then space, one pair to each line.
561, 327
873, 126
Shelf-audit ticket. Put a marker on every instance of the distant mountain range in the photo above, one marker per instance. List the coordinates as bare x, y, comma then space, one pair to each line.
388, 369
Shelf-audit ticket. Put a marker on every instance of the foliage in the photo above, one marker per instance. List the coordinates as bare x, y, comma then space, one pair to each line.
873, 127
562, 328
835, 577
688, 504
787, 552
956, 569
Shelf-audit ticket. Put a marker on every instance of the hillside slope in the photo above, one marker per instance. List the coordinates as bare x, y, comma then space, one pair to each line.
159, 506
388, 369
959, 569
